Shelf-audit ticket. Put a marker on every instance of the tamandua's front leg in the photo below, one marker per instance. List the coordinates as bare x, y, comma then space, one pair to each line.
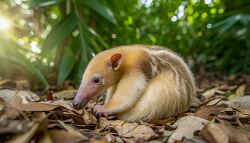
127, 93
110, 93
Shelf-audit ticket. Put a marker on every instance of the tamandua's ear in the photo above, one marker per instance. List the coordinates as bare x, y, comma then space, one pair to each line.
116, 60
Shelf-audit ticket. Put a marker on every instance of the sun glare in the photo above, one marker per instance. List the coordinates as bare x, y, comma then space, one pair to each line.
4, 23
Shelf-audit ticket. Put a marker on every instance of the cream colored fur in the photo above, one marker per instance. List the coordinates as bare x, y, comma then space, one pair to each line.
160, 99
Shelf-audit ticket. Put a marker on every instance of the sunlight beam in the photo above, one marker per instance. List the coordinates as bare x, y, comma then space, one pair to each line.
4, 23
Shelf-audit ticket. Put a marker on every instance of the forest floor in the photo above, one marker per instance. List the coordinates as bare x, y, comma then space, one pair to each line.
219, 114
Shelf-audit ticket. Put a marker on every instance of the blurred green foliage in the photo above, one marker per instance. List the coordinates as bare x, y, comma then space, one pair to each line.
55, 39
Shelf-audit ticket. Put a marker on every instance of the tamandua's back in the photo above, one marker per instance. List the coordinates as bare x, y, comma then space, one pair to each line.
169, 90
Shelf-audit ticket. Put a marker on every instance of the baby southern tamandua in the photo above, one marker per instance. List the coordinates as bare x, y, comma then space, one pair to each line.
142, 83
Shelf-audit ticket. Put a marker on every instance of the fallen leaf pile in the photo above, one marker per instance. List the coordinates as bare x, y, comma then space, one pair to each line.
220, 114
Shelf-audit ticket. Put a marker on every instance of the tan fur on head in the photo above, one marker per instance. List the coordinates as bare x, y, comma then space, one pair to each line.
146, 82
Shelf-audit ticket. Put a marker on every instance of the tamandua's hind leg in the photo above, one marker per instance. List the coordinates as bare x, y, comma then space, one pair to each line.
151, 106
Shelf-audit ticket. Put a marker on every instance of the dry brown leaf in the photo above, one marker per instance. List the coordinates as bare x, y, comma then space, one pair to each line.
61, 136
119, 140
38, 116
27, 136
194, 140
221, 133
228, 87
196, 102
215, 101
241, 90
24, 138
65, 94
2, 103
209, 112
186, 126
64, 103
100, 141
16, 102
227, 117
245, 111
243, 118
71, 115
241, 103
10, 113
217, 137
2, 82
46, 138
129, 130
26, 96
13, 126
89, 118
209, 93
81, 125
21, 84
110, 138
220, 92
130, 140
71, 130
67, 105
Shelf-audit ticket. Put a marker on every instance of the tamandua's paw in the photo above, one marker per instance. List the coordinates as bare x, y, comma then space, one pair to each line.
101, 110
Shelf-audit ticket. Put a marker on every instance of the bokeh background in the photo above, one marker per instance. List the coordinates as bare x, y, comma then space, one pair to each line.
52, 41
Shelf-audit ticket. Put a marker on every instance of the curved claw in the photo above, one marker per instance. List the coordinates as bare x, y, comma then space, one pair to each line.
100, 110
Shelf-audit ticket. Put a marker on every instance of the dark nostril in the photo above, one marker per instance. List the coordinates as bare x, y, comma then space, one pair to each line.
75, 104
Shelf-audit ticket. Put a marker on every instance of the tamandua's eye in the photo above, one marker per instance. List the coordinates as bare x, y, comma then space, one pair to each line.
97, 80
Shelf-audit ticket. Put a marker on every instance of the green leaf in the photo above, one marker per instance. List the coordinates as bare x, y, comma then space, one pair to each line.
226, 24
86, 51
100, 9
80, 69
59, 33
67, 64
86, 55
85, 42
99, 38
69, 60
229, 95
35, 3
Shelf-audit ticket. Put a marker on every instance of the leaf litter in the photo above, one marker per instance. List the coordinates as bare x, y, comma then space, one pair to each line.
220, 113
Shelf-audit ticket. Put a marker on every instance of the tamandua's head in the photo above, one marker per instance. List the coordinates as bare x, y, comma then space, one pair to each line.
102, 72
